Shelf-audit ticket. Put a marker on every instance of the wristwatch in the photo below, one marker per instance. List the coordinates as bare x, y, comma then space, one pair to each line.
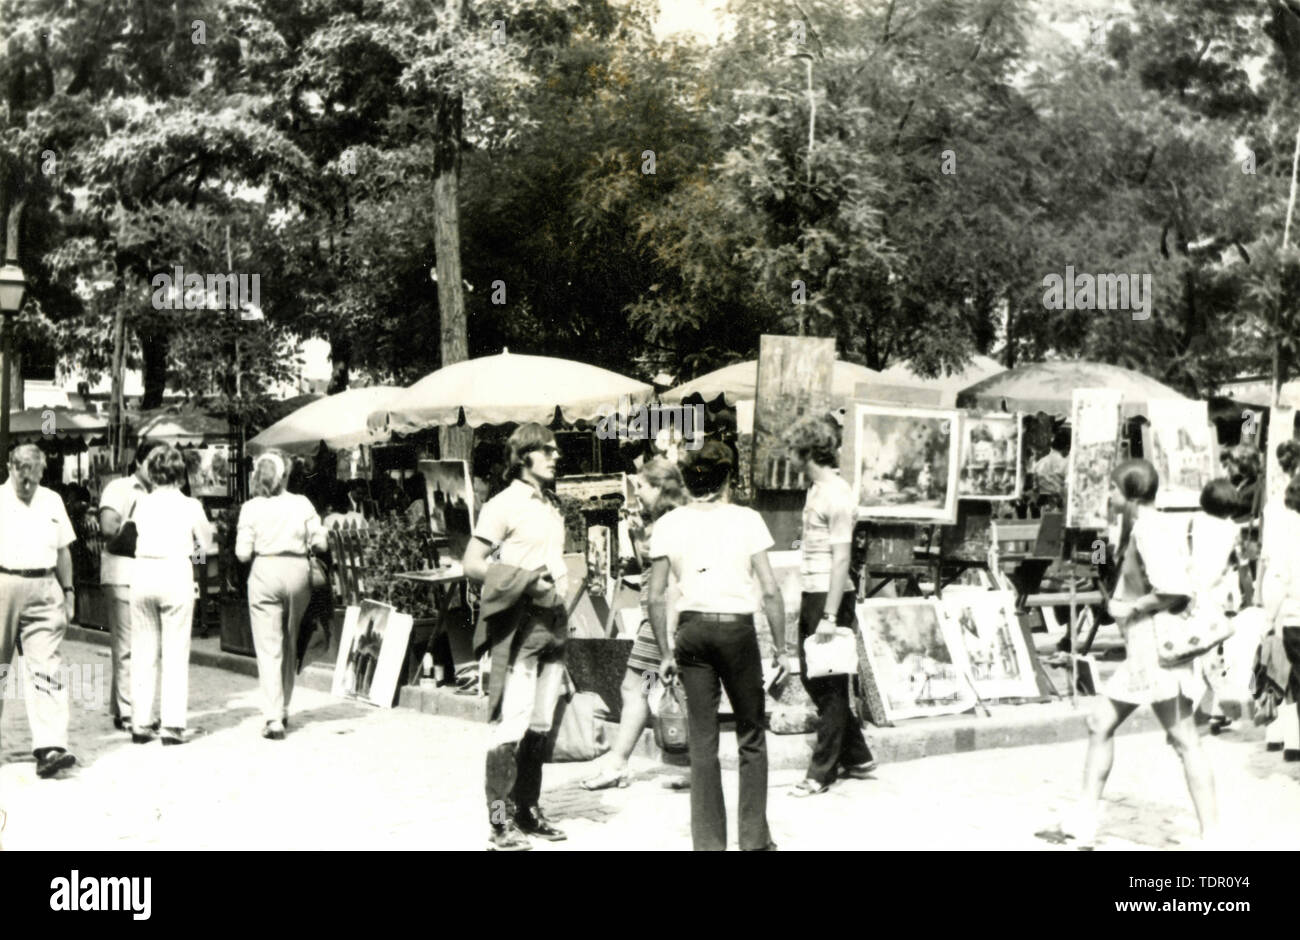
828, 616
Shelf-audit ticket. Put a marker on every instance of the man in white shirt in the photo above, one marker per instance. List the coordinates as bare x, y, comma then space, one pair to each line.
718, 552
36, 600
116, 506
517, 553
829, 514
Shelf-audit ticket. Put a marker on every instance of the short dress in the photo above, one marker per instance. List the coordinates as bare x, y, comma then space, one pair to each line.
1156, 560
645, 655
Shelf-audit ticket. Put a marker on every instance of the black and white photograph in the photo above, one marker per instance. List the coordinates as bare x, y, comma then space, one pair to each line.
966, 334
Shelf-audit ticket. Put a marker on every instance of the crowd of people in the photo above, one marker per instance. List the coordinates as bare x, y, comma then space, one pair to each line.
688, 535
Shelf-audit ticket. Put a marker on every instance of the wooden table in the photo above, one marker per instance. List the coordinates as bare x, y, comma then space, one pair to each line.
444, 581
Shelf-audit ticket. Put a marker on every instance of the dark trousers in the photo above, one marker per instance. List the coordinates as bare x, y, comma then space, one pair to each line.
839, 736
513, 772
1291, 643
709, 652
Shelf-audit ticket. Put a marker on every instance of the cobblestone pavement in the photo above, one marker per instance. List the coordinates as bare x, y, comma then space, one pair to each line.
352, 777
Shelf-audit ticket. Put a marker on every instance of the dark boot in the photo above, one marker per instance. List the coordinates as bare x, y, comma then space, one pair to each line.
499, 783
528, 764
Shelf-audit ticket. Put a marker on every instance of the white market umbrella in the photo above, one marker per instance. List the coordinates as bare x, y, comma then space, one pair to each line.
739, 382
949, 386
338, 420
509, 388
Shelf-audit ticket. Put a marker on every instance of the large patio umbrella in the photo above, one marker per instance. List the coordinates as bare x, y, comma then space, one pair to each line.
509, 388
180, 425
59, 423
1048, 386
739, 381
338, 420
949, 386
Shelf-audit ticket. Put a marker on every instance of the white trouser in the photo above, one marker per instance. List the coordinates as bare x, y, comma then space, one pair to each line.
162, 611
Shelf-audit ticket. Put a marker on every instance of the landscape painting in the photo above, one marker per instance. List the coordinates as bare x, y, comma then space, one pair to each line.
1181, 447
916, 657
905, 462
992, 641
1094, 423
990, 457
794, 380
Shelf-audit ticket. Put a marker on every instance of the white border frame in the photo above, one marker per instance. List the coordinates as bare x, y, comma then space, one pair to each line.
946, 513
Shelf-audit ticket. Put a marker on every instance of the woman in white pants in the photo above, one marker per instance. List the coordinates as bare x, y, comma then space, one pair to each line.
277, 531
169, 527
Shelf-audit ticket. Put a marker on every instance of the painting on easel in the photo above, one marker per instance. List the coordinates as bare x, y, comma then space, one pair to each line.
794, 380
990, 457
905, 462
1094, 452
1179, 442
917, 657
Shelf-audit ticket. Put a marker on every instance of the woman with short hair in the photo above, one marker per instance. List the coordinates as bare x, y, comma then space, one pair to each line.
170, 526
1154, 576
277, 531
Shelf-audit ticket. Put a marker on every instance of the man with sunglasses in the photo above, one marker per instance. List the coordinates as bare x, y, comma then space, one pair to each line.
517, 553
36, 600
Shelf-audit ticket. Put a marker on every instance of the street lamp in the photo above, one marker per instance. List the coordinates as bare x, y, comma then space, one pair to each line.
13, 290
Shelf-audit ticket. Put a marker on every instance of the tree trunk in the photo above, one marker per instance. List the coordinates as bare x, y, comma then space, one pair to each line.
456, 443
340, 364
115, 394
155, 347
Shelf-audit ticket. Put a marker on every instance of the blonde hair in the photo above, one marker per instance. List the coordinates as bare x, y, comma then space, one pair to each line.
667, 477
270, 474
165, 466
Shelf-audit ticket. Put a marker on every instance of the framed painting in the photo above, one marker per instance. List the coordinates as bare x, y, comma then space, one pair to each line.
991, 466
994, 646
372, 651
600, 563
1094, 452
449, 496
905, 462
1179, 442
208, 469
794, 380
592, 487
916, 657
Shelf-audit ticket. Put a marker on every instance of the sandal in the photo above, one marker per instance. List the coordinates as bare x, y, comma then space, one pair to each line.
606, 780
808, 787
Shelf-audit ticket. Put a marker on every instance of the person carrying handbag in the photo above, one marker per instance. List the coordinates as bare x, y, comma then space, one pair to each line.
277, 531
1154, 576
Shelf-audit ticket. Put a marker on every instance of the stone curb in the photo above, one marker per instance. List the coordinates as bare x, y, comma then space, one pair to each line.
1007, 726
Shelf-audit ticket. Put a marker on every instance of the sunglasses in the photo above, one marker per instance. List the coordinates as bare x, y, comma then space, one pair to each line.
550, 450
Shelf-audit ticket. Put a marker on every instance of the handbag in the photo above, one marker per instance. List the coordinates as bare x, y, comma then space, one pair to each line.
317, 576
1197, 629
122, 543
578, 731
672, 726
835, 657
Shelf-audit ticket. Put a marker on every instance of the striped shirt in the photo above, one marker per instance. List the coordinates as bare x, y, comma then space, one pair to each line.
828, 517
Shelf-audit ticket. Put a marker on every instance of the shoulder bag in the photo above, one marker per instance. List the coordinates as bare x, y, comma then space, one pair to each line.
1193, 632
122, 543
317, 576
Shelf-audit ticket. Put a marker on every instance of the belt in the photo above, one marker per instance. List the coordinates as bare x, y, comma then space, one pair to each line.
715, 618
28, 572
281, 555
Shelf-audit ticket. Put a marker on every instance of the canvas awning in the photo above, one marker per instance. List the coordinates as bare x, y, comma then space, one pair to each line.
1049, 387
340, 421
739, 381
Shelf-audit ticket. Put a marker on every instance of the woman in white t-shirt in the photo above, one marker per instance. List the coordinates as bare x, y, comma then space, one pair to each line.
718, 553
170, 527
277, 531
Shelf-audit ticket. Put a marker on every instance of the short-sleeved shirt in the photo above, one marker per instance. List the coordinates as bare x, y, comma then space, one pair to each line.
710, 546
829, 514
166, 522
277, 525
31, 534
119, 495
526, 530
1049, 474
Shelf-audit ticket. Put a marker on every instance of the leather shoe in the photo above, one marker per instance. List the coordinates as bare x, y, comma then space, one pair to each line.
52, 760
122, 723
532, 822
508, 838
274, 731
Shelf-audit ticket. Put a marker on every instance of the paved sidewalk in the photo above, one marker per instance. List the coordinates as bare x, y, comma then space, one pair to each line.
353, 777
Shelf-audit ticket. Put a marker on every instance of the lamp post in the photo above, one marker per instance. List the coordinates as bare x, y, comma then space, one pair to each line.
13, 290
